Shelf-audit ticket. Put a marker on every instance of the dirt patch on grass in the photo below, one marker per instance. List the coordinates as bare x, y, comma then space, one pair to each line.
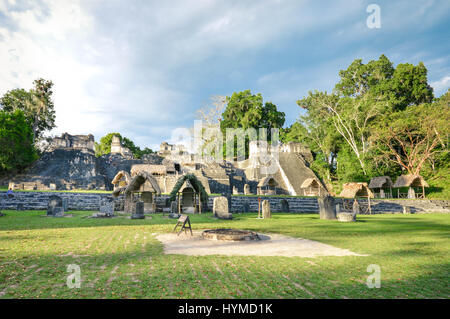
271, 245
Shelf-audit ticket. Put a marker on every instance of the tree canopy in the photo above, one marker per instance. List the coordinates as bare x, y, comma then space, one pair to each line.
36, 104
245, 110
16, 141
376, 114
104, 146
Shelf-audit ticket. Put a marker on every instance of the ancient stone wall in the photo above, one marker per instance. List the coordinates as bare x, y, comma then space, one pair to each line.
91, 201
77, 142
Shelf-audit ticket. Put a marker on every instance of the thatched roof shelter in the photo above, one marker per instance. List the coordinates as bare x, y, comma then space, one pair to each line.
150, 169
120, 176
194, 182
310, 182
380, 182
116, 193
352, 190
410, 181
267, 181
137, 184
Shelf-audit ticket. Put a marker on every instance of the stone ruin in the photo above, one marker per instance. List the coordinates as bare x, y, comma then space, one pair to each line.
55, 206
349, 216
117, 148
221, 208
138, 210
106, 208
327, 209
266, 213
70, 163
84, 143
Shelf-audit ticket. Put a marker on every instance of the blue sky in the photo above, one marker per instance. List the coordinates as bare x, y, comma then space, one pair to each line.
142, 68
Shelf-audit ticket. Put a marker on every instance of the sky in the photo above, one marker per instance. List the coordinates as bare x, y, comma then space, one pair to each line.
143, 68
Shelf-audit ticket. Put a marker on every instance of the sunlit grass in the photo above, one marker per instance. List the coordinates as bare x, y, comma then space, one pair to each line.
120, 258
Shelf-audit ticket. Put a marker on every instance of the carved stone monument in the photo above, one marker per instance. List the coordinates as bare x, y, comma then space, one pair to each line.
326, 207
138, 210
106, 207
349, 217
220, 208
266, 209
55, 206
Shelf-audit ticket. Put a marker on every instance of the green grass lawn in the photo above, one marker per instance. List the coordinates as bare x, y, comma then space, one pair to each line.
120, 258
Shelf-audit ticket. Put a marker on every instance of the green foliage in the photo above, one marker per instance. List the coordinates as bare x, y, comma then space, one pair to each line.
348, 168
36, 104
412, 251
246, 110
377, 117
411, 137
104, 147
16, 141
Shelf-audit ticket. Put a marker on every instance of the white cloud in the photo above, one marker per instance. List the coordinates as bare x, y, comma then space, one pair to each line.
441, 86
139, 69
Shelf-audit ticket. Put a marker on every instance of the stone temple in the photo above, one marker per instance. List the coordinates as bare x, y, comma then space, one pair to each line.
71, 163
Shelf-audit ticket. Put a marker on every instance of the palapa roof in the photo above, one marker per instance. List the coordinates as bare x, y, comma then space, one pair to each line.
352, 190
151, 169
118, 191
410, 181
266, 181
139, 180
380, 182
194, 182
310, 182
119, 176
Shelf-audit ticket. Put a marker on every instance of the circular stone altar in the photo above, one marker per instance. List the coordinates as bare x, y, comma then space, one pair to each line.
230, 234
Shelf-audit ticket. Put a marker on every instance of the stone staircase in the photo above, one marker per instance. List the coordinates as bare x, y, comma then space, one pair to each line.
296, 170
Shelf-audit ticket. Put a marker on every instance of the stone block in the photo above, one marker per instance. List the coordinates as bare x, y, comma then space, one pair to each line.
107, 207
346, 217
266, 213
55, 205
326, 207
221, 209
138, 211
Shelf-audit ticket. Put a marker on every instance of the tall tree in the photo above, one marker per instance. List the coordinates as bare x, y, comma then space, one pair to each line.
210, 116
36, 104
16, 141
365, 93
104, 146
413, 136
246, 110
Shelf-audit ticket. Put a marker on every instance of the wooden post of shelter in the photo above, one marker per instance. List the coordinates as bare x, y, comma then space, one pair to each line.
179, 204
259, 206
